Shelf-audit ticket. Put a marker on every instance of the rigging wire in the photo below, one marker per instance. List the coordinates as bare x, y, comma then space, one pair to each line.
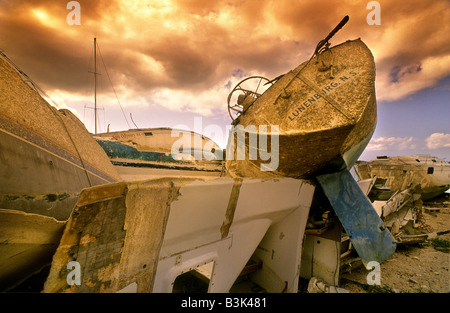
28, 80
109, 78
56, 113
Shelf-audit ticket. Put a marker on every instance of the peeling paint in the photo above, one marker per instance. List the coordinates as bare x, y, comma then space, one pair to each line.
86, 239
232, 203
112, 232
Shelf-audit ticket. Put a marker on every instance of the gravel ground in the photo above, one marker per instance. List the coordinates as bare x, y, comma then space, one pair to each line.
418, 268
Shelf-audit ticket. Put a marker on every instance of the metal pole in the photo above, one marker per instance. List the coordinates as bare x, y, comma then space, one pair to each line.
95, 83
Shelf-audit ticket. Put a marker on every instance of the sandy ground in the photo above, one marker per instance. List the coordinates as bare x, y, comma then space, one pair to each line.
423, 267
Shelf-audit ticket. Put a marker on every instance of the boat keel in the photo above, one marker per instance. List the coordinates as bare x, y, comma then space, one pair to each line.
371, 239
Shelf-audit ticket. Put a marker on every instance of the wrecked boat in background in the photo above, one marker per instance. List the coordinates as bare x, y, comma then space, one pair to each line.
147, 153
400, 173
47, 158
401, 213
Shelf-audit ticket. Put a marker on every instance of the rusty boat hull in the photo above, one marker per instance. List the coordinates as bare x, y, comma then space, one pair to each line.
400, 173
46, 158
326, 116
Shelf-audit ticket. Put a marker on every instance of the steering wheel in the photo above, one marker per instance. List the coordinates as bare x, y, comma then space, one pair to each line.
244, 94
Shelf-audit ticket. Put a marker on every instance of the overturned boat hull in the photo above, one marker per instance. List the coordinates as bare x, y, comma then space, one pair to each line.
326, 115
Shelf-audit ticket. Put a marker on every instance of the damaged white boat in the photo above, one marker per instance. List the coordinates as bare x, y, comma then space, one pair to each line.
143, 235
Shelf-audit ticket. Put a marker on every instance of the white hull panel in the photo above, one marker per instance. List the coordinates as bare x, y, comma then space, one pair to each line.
171, 226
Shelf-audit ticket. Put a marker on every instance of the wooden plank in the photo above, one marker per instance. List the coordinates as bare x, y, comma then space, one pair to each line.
250, 268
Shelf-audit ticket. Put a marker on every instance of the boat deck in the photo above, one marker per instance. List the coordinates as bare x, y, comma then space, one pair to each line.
129, 173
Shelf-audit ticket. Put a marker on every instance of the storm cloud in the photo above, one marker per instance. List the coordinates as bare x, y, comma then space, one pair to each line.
190, 49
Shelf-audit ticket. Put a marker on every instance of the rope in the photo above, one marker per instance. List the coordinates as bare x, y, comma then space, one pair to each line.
107, 74
74, 145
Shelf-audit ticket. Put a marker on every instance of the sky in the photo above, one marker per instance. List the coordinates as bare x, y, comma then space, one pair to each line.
173, 63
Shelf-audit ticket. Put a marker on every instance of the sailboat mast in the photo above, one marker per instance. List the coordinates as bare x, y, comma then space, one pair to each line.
95, 83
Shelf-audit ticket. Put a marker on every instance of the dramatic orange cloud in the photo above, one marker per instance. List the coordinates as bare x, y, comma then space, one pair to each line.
184, 55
